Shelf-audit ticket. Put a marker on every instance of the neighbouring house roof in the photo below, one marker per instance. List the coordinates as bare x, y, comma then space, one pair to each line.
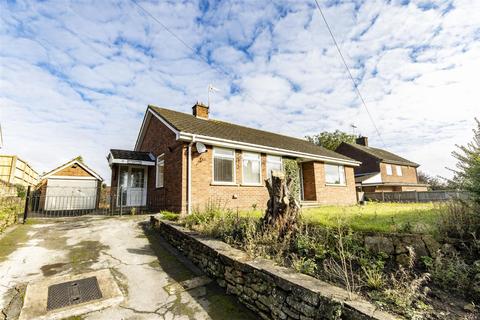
130, 157
383, 155
69, 163
363, 177
190, 124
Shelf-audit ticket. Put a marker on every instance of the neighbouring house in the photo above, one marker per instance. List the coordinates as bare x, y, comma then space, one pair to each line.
381, 170
186, 161
15, 171
71, 186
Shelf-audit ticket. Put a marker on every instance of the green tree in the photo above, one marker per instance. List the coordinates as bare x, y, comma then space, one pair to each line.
331, 140
467, 171
434, 183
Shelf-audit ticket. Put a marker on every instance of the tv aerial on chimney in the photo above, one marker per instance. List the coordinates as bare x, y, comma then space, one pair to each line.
211, 88
353, 126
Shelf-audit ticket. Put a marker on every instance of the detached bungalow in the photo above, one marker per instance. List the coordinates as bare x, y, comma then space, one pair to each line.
182, 162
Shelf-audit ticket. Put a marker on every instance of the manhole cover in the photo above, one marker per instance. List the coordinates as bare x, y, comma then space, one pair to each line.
73, 292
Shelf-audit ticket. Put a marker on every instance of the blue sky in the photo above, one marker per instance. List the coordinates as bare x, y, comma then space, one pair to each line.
76, 76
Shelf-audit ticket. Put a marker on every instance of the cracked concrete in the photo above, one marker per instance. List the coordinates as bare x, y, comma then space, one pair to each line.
157, 283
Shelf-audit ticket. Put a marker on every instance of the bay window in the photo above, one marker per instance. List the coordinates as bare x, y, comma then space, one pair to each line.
251, 168
334, 174
223, 165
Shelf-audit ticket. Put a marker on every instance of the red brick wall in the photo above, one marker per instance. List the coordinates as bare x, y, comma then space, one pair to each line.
159, 139
328, 194
73, 170
234, 197
409, 174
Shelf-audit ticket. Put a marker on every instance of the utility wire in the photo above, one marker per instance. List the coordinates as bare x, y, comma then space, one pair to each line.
216, 67
349, 73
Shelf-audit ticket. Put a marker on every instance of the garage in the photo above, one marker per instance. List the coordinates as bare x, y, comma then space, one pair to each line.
72, 186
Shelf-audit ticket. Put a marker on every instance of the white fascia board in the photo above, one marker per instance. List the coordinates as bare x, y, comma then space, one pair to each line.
84, 166
136, 162
71, 178
257, 148
145, 119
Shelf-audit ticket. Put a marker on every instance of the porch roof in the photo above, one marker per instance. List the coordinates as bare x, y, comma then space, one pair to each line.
131, 157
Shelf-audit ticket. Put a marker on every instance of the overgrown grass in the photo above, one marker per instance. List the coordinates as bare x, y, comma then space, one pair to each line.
374, 216
379, 217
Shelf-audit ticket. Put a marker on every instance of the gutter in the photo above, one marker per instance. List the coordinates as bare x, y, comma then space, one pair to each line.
183, 136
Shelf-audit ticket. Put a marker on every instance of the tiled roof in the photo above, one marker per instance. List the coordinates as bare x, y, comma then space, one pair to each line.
131, 155
219, 129
384, 155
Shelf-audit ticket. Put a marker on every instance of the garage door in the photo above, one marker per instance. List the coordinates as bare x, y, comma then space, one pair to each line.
71, 194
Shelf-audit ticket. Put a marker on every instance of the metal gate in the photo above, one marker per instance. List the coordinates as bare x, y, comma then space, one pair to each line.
72, 202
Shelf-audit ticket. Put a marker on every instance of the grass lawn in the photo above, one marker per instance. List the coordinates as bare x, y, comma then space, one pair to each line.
380, 217
374, 216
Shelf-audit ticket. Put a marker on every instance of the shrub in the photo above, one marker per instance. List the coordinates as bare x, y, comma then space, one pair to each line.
291, 169
304, 265
459, 220
449, 272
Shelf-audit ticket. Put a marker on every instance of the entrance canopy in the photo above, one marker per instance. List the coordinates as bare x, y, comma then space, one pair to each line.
130, 157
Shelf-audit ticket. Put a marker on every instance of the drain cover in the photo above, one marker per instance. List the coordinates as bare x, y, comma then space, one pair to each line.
73, 292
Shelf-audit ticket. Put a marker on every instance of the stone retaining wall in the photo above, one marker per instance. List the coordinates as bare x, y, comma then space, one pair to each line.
271, 291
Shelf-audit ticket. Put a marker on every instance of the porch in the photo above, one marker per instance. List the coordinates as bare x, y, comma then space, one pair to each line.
129, 177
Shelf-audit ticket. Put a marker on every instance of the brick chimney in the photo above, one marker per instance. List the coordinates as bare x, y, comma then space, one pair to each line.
200, 110
362, 141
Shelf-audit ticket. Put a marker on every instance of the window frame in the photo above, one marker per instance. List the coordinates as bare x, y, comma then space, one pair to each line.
234, 164
276, 162
157, 164
259, 183
341, 184
388, 169
399, 171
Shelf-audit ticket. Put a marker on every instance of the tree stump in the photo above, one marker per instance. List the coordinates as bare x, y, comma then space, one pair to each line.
282, 208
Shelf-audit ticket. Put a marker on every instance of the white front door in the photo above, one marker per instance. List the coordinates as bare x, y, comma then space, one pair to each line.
132, 186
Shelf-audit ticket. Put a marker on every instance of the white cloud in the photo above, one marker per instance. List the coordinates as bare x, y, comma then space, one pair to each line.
75, 78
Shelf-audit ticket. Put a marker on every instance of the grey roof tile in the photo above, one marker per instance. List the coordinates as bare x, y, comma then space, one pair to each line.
219, 129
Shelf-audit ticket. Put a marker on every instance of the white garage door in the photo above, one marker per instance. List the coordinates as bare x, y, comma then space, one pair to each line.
71, 194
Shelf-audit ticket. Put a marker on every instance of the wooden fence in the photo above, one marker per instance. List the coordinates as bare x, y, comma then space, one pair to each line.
416, 196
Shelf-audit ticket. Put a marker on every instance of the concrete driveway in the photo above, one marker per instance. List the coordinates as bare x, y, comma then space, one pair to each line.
156, 282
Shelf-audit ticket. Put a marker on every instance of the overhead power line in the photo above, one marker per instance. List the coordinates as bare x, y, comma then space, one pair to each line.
350, 73
196, 53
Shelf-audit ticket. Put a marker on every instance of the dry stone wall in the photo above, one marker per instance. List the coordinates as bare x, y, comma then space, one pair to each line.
273, 292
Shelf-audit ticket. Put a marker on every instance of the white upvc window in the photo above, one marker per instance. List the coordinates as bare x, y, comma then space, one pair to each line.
388, 167
252, 168
223, 165
160, 171
335, 174
274, 163
399, 171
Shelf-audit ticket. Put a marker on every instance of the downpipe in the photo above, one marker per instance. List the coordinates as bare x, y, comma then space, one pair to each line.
189, 176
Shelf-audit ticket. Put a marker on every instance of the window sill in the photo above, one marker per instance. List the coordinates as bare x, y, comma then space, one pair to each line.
159, 187
335, 185
223, 184
252, 185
